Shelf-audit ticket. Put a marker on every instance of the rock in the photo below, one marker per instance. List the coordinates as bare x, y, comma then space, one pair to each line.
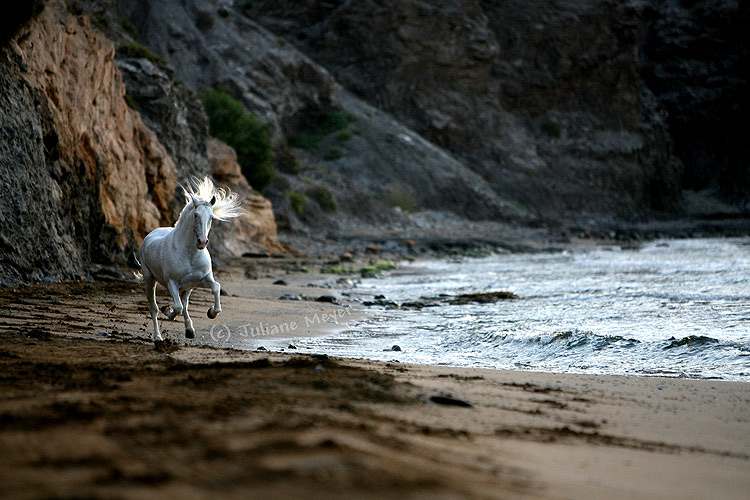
327, 298
257, 226
291, 346
381, 303
346, 257
482, 298
223, 161
289, 296
280, 283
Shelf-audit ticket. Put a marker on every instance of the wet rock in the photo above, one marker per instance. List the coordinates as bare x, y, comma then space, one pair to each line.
291, 346
280, 283
482, 298
381, 303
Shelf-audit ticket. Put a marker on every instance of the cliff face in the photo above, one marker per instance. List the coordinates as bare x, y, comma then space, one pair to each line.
544, 100
83, 178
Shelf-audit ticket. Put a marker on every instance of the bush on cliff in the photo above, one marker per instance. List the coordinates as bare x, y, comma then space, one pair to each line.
251, 138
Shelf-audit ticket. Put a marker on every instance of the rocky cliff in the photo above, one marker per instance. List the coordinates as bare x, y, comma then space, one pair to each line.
212, 43
542, 99
83, 178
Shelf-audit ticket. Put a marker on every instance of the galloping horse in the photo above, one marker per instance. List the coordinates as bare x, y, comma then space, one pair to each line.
177, 257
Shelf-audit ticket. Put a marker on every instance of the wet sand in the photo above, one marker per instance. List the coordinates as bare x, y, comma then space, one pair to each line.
88, 409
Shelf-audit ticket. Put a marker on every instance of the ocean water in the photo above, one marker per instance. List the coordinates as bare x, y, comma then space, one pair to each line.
678, 308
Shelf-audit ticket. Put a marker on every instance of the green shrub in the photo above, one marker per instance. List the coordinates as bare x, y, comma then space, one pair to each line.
324, 198
333, 122
334, 153
344, 135
138, 51
127, 25
552, 129
376, 268
337, 269
297, 200
204, 21
100, 21
286, 160
130, 101
402, 199
251, 138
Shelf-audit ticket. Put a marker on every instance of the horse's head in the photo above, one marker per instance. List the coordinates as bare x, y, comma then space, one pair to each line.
202, 216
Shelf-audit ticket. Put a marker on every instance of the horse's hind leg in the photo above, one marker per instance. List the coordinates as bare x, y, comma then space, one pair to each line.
150, 284
189, 330
210, 282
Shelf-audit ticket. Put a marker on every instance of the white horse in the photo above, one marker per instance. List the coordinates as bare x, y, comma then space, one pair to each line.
177, 257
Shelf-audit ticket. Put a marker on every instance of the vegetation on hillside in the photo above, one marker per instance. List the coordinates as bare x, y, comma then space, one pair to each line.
251, 138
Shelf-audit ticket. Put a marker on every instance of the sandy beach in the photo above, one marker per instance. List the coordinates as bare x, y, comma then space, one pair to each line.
88, 409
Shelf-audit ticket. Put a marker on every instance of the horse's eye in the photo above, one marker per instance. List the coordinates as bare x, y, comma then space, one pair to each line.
195, 215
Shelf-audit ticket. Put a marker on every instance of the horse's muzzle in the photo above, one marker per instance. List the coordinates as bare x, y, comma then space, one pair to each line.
201, 244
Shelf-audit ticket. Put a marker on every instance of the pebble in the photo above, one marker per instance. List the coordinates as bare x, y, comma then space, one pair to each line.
289, 296
280, 282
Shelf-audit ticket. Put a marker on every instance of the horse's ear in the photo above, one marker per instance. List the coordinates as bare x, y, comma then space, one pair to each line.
213, 200
196, 201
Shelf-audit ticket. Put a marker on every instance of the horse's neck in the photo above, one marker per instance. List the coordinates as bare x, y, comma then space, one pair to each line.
182, 235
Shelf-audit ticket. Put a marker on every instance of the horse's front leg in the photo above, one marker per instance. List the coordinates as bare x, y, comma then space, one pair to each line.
174, 290
210, 282
150, 284
189, 330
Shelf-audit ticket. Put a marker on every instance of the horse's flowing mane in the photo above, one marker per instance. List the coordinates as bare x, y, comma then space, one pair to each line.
228, 204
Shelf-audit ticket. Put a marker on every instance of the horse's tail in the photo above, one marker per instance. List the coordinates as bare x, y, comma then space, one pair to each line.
138, 275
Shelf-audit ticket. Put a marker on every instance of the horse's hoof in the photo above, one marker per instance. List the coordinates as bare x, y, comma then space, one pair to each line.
166, 310
189, 334
211, 314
